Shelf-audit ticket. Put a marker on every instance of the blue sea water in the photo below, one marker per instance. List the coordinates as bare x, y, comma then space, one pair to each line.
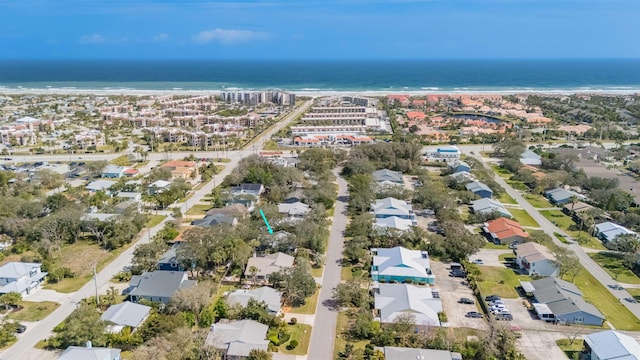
427, 76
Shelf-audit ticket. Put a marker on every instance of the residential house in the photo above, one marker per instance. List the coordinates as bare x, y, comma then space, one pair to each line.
394, 300
488, 206
246, 194
295, 210
386, 177
130, 195
530, 158
560, 196
448, 154
260, 267
573, 208
169, 260
89, 352
609, 231
99, 217
393, 222
216, 219
392, 207
236, 339
125, 314
238, 211
560, 301
158, 286
181, 169
611, 345
536, 259
463, 177
271, 297
21, 277
158, 186
100, 185
295, 196
404, 353
122, 207
113, 172
505, 231
401, 265
459, 166
480, 189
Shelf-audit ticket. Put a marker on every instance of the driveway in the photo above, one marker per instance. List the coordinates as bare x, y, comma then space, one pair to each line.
490, 257
451, 290
541, 345
47, 295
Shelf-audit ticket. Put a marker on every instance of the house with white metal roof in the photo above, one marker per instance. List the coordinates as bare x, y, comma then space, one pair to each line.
394, 300
402, 265
125, 314
488, 206
611, 345
609, 231
236, 339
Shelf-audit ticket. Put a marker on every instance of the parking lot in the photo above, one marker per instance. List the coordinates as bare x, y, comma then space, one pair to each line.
490, 257
451, 290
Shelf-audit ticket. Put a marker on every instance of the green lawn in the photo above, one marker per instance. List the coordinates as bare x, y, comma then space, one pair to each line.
571, 350
317, 271
613, 264
518, 185
503, 173
302, 334
506, 198
500, 281
490, 245
33, 311
504, 257
615, 312
198, 209
345, 273
569, 226
537, 201
342, 333
523, 217
310, 305
155, 220
68, 285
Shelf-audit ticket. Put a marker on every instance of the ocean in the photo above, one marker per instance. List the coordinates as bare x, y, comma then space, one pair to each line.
392, 76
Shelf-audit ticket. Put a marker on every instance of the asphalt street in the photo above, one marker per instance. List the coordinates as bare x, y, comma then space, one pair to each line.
323, 335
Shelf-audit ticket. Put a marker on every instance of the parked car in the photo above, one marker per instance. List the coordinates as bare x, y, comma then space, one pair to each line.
497, 307
616, 287
474, 314
492, 298
496, 302
458, 273
501, 311
466, 301
631, 300
478, 261
21, 328
505, 317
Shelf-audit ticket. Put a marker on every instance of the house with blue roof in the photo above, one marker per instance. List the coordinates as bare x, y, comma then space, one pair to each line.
400, 264
113, 172
458, 166
169, 260
480, 189
609, 231
560, 196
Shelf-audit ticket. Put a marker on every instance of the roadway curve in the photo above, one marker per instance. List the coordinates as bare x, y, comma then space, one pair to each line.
24, 348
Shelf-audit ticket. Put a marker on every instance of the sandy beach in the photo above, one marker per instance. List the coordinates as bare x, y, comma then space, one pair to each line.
314, 93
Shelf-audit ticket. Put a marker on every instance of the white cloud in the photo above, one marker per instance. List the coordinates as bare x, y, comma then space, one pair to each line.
93, 39
228, 36
160, 37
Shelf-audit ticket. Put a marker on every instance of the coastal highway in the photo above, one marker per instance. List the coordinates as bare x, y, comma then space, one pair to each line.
24, 349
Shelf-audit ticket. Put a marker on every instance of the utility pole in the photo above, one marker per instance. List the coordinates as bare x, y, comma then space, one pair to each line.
95, 281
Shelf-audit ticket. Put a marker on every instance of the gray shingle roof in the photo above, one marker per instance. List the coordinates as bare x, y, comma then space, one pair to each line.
388, 175
84, 353
159, 283
393, 300
267, 294
238, 338
562, 297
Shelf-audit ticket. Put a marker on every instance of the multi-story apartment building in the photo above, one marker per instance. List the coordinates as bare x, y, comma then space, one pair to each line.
89, 138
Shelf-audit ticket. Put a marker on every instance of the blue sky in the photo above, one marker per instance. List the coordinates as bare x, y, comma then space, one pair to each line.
317, 29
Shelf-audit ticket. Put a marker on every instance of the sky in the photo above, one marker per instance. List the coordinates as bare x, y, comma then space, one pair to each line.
319, 29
